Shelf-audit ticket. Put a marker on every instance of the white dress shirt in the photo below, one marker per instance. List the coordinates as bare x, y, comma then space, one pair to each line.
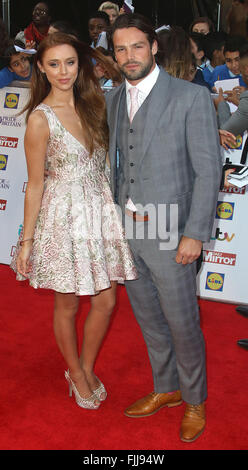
144, 87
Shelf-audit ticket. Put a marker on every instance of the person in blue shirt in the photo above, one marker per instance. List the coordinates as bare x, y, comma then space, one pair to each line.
214, 44
200, 61
231, 68
17, 66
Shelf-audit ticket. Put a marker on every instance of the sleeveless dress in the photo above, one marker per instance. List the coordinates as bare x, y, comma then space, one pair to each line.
79, 244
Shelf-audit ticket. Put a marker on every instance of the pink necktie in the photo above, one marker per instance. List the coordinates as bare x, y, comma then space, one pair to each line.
134, 102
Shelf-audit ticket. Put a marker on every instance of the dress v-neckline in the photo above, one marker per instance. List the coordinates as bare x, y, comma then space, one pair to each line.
68, 132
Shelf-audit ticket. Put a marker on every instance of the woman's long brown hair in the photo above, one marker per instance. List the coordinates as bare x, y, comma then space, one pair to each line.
88, 96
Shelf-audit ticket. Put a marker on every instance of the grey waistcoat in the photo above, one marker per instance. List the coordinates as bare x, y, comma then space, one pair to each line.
129, 140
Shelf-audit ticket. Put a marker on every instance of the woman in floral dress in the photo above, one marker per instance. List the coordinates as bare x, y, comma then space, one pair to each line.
72, 241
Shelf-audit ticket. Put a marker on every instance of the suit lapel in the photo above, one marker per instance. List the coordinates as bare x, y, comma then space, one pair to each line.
159, 98
113, 122
113, 110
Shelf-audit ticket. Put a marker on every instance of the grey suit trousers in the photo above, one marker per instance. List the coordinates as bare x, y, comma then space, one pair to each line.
167, 312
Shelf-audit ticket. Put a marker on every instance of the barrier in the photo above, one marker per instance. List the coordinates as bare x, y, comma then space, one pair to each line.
223, 276
13, 173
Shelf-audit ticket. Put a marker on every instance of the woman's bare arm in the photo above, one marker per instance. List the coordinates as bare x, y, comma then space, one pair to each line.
35, 144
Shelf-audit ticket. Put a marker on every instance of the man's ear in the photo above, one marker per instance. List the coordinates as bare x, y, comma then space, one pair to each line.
154, 47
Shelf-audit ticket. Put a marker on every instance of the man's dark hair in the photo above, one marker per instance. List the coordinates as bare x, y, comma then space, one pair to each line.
214, 42
100, 14
135, 20
234, 43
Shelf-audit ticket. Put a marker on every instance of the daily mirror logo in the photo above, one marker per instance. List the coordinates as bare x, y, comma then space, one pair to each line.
228, 259
234, 190
8, 142
3, 204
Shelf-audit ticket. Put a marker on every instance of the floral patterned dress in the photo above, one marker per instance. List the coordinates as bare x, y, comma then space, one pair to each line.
79, 244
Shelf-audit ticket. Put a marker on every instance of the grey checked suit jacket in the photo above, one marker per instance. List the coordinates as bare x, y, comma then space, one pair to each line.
237, 122
178, 160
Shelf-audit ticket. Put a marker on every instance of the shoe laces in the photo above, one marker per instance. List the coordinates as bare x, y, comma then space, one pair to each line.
196, 409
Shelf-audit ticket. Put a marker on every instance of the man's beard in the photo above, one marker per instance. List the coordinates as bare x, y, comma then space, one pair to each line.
136, 74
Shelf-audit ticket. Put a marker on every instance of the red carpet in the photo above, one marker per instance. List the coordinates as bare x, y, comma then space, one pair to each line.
36, 412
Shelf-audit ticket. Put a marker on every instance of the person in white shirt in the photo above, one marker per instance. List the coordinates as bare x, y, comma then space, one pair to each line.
168, 154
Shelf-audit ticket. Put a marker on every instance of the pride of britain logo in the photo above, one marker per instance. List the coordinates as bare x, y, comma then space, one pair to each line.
10, 121
4, 184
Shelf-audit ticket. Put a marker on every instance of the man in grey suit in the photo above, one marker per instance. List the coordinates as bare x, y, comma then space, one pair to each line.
168, 163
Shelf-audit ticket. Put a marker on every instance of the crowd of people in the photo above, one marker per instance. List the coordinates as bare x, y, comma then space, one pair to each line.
200, 55
152, 127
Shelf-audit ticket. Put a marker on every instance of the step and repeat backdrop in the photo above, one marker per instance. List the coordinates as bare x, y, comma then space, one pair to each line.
223, 276
13, 172
224, 271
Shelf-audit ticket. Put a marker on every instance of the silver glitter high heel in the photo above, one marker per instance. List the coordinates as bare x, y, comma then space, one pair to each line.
88, 403
99, 391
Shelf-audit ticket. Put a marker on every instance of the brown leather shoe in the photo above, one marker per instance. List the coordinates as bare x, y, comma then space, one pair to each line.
193, 422
153, 402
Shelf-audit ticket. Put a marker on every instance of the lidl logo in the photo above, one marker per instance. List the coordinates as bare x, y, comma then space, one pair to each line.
3, 162
215, 281
224, 210
238, 143
11, 100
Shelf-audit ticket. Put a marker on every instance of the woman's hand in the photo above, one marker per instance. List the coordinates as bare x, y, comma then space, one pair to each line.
23, 264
